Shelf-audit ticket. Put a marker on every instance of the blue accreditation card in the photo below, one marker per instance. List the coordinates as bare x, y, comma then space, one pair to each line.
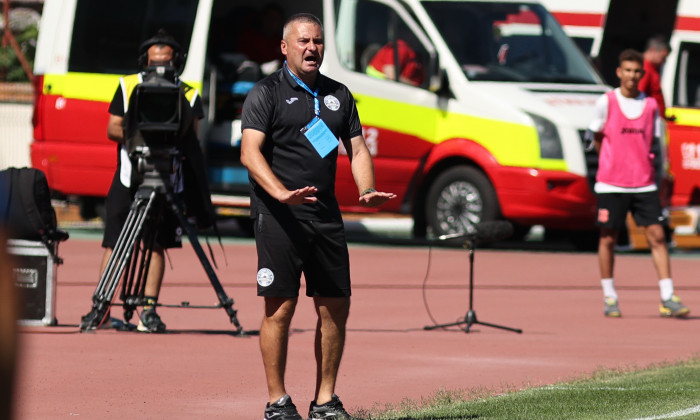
320, 136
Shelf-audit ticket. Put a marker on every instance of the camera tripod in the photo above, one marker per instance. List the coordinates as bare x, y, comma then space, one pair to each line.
470, 317
134, 246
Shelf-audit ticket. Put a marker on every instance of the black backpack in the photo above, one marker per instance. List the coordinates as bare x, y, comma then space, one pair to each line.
26, 201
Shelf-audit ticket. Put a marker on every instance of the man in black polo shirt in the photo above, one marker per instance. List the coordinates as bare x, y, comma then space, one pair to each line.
292, 121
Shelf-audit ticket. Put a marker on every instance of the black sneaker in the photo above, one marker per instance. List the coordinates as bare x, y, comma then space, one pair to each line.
150, 322
333, 409
282, 409
95, 319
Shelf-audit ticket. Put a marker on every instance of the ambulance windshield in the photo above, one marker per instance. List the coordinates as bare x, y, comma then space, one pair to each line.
519, 42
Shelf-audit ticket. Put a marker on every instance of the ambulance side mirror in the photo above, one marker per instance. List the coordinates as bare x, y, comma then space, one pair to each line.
435, 74
441, 86
436, 81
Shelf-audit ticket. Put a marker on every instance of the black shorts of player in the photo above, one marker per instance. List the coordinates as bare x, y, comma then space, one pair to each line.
288, 249
117, 204
613, 207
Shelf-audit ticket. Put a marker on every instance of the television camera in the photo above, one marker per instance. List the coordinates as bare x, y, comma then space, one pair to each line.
157, 121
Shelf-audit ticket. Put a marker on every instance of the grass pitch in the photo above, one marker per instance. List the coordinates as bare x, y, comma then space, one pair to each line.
658, 392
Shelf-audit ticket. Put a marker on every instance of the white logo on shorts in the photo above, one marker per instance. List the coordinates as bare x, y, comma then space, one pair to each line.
331, 102
265, 277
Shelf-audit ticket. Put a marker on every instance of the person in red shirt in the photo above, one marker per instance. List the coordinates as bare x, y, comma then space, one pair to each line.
650, 84
383, 66
654, 57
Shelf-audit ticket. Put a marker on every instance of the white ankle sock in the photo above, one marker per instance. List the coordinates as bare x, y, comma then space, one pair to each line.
666, 287
609, 288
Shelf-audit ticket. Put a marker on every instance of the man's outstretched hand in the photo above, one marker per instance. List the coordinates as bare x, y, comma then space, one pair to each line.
300, 196
376, 198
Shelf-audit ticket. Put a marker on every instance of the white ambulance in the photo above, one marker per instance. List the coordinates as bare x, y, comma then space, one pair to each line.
492, 129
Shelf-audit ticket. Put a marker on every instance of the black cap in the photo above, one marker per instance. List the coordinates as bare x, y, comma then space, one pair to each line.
161, 37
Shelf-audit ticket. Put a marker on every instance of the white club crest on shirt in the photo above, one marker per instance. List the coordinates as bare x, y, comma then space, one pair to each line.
331, 102
265, 277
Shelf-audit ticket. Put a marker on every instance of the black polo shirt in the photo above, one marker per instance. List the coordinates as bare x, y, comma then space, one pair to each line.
280, 108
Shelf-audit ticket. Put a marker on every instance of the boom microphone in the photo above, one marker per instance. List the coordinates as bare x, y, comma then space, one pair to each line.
485, 232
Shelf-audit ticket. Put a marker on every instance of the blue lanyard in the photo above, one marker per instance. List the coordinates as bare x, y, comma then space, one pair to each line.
317, 107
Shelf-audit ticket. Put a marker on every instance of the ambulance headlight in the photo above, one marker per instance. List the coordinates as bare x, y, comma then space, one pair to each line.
550, 143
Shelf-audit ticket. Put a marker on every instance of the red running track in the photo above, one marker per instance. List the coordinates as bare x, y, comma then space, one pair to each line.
201, 372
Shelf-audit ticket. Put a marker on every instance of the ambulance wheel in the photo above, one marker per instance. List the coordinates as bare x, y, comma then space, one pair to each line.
459, 198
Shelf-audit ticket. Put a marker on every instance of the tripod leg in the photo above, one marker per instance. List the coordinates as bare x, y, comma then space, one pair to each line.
109, 280
129, 286
135, 281
125, 246
517, 330
434, 327
225, 301
119, 249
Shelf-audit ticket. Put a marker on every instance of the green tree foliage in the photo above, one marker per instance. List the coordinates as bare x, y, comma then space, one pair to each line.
24, 26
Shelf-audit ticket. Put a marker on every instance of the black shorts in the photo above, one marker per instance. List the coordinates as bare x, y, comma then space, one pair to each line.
613, 208
288, 249
117, 204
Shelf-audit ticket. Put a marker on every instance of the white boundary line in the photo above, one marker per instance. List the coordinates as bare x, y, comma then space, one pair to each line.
681, 413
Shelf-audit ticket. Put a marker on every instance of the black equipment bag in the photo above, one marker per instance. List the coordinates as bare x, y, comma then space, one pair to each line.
26, 201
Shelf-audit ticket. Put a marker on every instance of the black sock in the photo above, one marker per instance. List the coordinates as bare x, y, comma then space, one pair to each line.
151, 302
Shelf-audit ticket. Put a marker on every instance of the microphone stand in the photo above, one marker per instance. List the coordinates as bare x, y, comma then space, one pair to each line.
470, 317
